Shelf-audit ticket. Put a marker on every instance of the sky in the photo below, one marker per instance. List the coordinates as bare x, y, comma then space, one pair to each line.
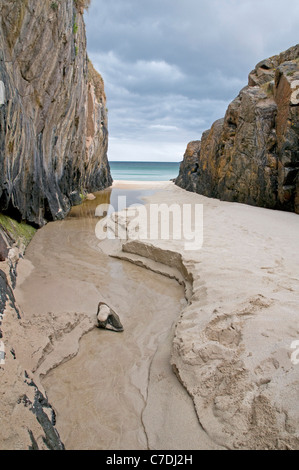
171, 67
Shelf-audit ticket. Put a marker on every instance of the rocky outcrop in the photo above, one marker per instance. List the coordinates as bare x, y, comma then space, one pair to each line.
3, 248
252, 155
53, 120
98, 171
28, 419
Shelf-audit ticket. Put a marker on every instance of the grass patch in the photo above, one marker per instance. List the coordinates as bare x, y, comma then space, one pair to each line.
54, 6
75, 27
19, 232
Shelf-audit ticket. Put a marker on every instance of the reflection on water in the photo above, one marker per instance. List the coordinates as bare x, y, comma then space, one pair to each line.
117, 198
87, 208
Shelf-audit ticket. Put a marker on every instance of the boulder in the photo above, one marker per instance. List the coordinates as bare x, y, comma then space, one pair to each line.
108, 319
75, 198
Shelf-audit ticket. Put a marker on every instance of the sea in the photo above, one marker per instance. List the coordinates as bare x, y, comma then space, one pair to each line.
144, 171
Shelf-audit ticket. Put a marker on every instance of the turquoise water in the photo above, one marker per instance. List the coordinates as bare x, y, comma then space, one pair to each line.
144, 171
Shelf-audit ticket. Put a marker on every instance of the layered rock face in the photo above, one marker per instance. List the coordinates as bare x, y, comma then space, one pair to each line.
53, 122
53, 148
252, 155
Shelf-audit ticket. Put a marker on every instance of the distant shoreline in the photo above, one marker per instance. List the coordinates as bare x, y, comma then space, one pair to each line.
144, 171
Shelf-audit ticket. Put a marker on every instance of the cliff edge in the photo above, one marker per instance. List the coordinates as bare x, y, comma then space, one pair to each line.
251, 156
53, 120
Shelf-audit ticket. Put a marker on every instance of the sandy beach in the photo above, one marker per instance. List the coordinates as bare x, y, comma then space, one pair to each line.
146, 313
207, 332
106, 388
233, 347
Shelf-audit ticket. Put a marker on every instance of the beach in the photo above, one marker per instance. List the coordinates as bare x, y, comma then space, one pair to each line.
207, 331
149, 202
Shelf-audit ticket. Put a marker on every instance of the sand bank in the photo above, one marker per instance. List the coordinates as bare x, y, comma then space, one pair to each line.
234, 343
105, 387
223, 318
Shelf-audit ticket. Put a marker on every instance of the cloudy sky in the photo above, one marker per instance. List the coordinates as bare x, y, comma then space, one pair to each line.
171, 67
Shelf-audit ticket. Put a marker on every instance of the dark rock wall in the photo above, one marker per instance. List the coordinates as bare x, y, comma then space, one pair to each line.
252, 155
44, 107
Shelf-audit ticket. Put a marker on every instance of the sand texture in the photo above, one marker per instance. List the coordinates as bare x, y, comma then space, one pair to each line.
205, 359
106, 387
232, 346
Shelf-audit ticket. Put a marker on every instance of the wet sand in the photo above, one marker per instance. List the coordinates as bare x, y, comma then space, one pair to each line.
116, 390
232, 345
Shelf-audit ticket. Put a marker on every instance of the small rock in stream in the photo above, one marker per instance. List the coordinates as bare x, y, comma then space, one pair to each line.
108, 319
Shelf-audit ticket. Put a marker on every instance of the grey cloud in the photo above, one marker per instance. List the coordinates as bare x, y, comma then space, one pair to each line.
172, 66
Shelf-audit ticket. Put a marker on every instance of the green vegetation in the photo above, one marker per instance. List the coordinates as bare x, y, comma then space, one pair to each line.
75, 28
19, 232
54, 6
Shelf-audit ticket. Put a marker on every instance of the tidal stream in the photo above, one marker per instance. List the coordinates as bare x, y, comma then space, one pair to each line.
119, 391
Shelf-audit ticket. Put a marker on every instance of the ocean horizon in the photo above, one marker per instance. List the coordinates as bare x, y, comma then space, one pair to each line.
144, 171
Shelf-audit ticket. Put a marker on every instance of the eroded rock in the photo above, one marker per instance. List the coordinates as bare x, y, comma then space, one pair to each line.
3, 249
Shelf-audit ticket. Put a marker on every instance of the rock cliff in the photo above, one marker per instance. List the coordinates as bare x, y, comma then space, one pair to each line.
53, 120
27, 418
252, 155
53, 149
